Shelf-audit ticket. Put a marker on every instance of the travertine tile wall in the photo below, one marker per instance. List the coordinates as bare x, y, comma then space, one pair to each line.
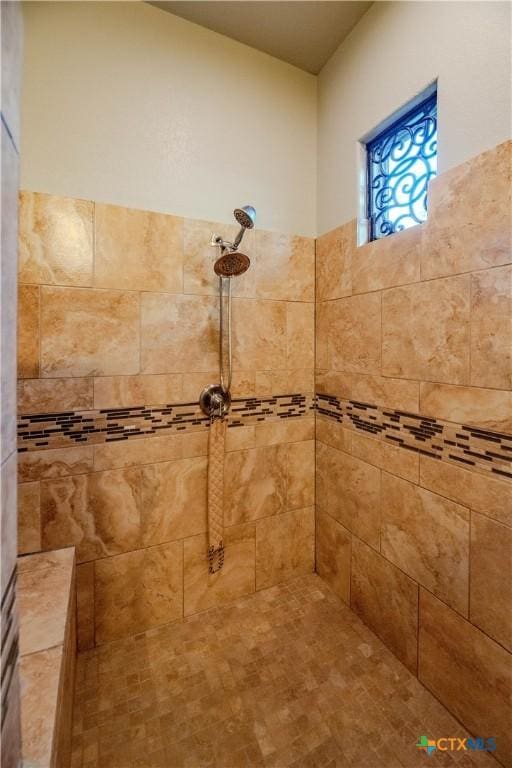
119, 309
414, 528
11, 33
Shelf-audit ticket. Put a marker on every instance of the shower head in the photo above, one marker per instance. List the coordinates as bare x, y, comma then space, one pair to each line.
245, 216
231, 264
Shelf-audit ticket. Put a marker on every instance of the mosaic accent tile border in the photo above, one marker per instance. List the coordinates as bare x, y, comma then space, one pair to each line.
69, 428
9, 642
469, 447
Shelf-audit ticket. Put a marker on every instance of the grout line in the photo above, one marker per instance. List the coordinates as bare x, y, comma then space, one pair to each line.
469, 562
418, 632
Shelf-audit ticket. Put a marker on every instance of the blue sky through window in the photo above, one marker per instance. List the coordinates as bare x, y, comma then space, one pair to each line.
401, 161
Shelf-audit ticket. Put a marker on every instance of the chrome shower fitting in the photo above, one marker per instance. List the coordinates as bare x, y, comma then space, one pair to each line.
215, 399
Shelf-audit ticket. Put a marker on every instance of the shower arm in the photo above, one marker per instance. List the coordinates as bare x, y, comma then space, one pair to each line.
225, 245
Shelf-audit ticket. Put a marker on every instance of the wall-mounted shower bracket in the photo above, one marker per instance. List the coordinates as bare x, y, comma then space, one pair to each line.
215, 401
219, 242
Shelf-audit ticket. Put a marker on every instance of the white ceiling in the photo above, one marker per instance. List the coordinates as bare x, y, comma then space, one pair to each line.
301, 32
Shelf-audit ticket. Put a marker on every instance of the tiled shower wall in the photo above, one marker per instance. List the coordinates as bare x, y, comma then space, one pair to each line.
414, 439
11, 32
118, 334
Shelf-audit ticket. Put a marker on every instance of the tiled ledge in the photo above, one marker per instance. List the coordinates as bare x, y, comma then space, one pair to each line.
469, 447
46, 599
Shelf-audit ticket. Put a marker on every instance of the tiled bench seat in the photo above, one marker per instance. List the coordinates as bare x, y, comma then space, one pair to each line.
46, 600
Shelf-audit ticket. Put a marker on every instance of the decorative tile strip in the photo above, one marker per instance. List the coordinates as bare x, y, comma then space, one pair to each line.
68, 428
470, 447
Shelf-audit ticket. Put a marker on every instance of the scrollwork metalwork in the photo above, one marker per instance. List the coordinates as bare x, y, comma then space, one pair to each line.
401, 162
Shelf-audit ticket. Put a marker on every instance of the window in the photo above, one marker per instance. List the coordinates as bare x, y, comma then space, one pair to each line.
401, 160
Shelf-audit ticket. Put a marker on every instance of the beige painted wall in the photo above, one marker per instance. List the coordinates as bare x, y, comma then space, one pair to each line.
124, 103
392, 54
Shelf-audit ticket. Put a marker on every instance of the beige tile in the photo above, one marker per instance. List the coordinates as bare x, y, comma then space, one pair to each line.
352, 490
56, 462
301, 380
243, 384
28, 331
102, 332
174, 500
29, 518
85, 606
322, 311
43, 597
273, 382
200, 257
491, 328
355, 334
56, 240
485, 408
56, 558
179, 333
381, 454
387, 262
300, 487
476, 687
399, 394
39, 672
137, 250
240, 438
132, 453
335, 256
469, 225
325, 457
285, 546
333, 552
334, 383
283, 382
138, 590
98, 513
255, 485
285, 431
425, 331
194, 383
195, 444
427, 536
284, 267
303, 682
387, 600
263, 383
300, 335
490, 605
237, 577
132, 391
259, 334
8, 520
333, 434
490, 496
47, 395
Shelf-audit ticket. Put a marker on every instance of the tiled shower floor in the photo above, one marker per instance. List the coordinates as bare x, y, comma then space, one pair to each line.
288, 676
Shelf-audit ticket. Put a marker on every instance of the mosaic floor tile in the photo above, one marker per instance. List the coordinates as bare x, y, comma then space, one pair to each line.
288, 676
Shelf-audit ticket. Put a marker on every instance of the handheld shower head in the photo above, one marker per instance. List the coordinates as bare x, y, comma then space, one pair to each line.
245, 216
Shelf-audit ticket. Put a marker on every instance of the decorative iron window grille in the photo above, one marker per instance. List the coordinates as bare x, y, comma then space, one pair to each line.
401, 161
